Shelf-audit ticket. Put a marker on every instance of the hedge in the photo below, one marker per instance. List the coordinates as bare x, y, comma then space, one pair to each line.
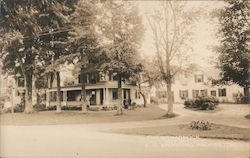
202, 103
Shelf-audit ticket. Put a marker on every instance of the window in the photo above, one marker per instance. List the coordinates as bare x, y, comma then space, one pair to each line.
195, 93
115, 94
20, 82
213, 93
183, 94
203, 93
85, 77
199, 78
222, 92
161, 94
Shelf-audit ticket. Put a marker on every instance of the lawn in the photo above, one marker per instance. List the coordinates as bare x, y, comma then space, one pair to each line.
217, 131
76, 117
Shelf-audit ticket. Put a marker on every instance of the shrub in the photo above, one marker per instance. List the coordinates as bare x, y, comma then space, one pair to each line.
200, 125
244, 100
189, 103
40, 107
71, 108
154, 100
51, 108
202, 103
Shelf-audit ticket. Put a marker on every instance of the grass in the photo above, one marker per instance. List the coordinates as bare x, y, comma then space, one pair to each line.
217, 131
77, 117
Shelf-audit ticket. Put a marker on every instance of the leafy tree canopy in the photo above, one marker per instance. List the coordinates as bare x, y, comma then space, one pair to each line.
234, 50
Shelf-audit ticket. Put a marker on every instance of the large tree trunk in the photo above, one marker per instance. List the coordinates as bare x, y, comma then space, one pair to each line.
144, 99
50, 84
247, 94
58, 95
83, 94
170, 99
143, 96
120, 101
28, 92
246, 91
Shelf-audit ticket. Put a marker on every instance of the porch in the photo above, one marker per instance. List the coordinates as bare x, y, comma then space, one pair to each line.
96, 98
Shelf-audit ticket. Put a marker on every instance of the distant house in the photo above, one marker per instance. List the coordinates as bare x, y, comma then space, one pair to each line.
11, 90
198, 83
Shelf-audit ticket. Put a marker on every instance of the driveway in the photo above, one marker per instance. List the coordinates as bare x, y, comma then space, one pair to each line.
94, 140
82, 141
226, 114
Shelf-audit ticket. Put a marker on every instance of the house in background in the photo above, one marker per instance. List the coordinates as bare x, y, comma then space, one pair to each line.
11, 90
198, 83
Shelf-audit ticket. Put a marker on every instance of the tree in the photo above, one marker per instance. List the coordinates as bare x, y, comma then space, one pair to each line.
84, 43
149, 76
234, 48
171, 26
55, 24
122, 29
17, 45
33, 36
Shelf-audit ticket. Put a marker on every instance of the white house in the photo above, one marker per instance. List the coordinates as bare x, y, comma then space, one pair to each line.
101, 90
198, 83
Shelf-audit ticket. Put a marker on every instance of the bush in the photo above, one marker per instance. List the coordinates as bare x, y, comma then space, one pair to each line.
154, 100
244, 100
71, 108
202, 103
40, 107
200, 125
51, 108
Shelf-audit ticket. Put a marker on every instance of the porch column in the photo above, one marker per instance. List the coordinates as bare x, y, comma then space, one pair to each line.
107, 96
98, 102
65, 98
47, 98
104, 95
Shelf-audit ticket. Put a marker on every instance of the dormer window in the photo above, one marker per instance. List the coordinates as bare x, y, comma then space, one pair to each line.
20, 82
199, 78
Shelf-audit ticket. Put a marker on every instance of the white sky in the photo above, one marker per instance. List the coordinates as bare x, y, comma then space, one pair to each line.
204, 36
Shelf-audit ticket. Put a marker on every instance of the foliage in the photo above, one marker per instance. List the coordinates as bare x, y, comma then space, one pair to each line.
202, 103
240, 98
121, 28
39, 107
154, 100
49, 108
234, 43
69, 81
32, 34
171, 25
201, 125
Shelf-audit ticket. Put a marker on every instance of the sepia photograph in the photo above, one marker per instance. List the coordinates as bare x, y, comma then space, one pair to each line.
124, 79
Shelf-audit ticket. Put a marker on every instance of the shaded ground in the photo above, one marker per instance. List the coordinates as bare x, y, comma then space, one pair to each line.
217, 131
76, 117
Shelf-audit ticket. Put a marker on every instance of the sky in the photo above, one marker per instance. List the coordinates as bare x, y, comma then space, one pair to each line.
204, 37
